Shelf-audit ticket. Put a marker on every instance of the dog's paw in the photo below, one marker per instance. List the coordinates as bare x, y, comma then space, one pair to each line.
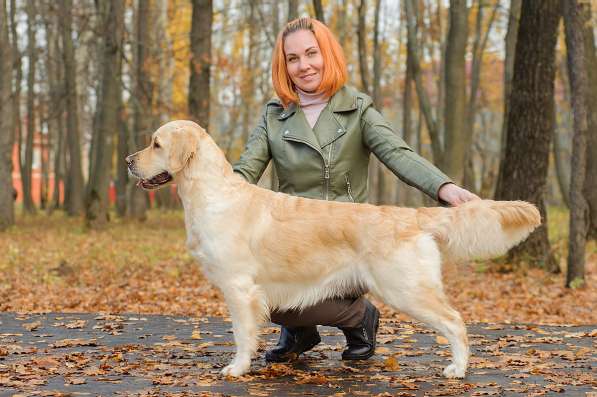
235, 370
452, 371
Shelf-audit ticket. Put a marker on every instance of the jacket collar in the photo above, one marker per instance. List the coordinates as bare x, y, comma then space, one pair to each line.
289, 111
344, 100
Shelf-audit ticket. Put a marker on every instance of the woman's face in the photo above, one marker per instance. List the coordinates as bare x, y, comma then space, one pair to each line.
303, 60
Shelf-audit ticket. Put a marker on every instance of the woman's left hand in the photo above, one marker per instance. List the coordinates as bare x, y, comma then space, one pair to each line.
455, 195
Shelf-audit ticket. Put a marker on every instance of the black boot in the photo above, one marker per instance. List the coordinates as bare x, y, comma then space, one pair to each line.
293, 341
360, 341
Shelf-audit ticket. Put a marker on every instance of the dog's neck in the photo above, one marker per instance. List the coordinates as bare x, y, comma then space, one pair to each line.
208, 173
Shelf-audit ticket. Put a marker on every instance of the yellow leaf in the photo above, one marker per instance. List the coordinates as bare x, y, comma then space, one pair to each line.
391, 364
441, 340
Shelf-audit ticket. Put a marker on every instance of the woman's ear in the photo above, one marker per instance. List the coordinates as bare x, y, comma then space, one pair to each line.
183, 146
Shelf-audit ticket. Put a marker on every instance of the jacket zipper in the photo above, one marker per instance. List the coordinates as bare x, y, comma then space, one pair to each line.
326, 173
326, 165
348, 188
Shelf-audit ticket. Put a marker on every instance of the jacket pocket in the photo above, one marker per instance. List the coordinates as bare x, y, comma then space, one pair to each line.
348, 187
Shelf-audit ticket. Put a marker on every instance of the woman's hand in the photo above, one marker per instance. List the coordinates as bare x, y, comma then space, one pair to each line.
455, 195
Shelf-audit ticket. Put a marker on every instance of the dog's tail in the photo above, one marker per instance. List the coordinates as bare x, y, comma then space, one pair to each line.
479, 229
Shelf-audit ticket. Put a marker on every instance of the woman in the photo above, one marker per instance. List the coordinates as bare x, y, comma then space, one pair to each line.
319, 135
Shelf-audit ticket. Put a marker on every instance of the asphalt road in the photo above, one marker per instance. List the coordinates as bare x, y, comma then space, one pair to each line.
58, 354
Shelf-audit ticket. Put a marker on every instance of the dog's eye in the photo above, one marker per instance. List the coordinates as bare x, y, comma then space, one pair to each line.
156, 145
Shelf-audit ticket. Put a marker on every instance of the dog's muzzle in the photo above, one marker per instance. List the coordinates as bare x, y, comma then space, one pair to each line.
156, 181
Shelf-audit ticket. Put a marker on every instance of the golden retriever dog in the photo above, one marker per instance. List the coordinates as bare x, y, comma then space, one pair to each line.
268, 250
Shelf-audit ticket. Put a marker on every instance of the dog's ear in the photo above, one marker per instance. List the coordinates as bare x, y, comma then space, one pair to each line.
183, 146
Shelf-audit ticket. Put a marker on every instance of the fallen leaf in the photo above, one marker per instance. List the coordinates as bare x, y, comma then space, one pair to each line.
74, 343
196, 334
76, 324
32, 326
75, 381
391, 364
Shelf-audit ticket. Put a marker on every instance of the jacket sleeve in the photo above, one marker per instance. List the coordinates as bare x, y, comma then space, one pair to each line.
257, 154
395, 154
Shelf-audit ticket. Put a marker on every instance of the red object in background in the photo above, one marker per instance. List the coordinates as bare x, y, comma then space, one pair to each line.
36, 176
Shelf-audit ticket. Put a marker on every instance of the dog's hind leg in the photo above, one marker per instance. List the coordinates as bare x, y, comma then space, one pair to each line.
247, 307
418, 292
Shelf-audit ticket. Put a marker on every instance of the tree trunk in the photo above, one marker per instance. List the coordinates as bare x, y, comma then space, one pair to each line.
377, 99
455, 108
17, 70
274, 181
54, 105
292, 10
318, 10
373, 175
577, 14
200, 62
562, 169
343, 23
531, 123
362, 47
590, 187
164, 85
247, 84
377, 59
26, 177
59, 164
275, 21
479, 45
45, 146
75, 174
7, 217
137, 206
511, 36
109, 108
407, 127
424, 101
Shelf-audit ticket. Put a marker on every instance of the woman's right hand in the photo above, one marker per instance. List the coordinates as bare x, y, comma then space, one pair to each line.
455, 195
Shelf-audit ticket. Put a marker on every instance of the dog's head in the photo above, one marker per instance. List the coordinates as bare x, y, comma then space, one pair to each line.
170, 151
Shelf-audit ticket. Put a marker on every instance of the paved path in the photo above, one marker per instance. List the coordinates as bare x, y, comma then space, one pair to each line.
140, 355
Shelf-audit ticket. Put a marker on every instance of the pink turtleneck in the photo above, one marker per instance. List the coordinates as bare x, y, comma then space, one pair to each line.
312, 104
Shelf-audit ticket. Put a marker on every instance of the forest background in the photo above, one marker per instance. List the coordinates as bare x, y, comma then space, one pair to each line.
500, 94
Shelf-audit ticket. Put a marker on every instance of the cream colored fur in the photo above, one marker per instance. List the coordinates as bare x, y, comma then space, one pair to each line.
268, 250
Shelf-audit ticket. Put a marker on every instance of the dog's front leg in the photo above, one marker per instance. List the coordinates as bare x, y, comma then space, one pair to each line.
247, 309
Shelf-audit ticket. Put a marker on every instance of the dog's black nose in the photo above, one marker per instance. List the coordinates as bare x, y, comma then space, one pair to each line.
129, 160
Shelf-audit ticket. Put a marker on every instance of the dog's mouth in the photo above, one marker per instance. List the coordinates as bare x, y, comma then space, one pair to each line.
156, 181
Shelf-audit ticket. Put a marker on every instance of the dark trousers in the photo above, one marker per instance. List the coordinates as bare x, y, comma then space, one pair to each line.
340, 312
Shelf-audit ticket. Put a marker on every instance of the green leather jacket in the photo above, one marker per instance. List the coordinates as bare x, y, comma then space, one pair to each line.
330, 161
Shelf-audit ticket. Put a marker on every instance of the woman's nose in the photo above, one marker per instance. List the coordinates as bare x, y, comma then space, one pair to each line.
303, 64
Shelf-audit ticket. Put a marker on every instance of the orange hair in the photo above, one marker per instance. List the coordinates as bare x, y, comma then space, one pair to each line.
335, 72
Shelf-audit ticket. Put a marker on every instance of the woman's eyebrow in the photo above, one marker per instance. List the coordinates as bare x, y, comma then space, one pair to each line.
308, 49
